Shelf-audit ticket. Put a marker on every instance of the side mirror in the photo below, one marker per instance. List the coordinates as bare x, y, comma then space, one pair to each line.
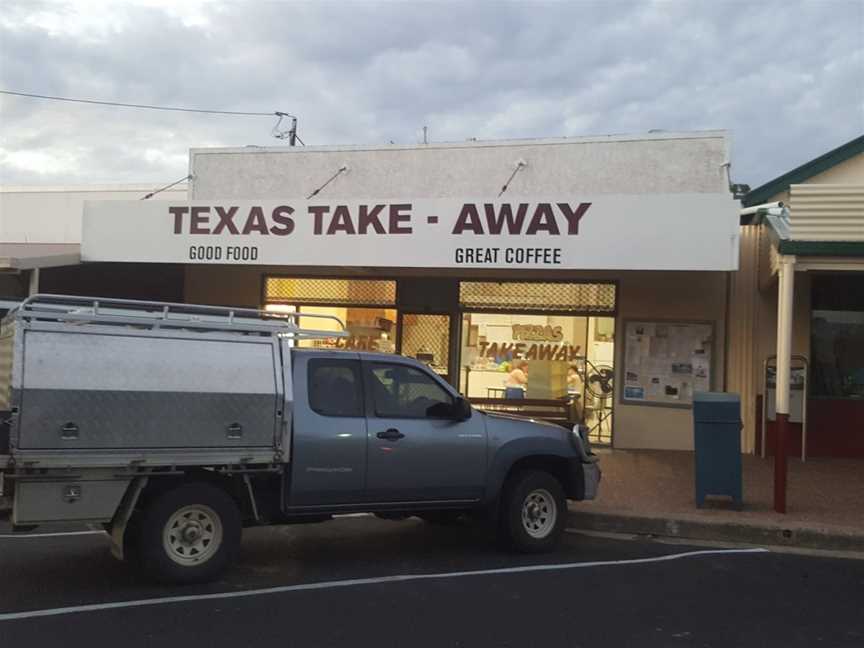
461, 409
458, 410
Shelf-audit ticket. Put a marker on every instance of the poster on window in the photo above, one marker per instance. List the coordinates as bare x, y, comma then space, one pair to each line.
665, 362
797, 389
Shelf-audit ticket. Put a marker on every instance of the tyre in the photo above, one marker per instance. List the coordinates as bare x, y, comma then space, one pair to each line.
131, 538
533, 512
188, 534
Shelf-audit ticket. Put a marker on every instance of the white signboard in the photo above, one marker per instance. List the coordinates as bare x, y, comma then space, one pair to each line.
627, 232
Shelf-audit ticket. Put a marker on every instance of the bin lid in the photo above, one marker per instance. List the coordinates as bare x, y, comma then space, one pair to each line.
716, 407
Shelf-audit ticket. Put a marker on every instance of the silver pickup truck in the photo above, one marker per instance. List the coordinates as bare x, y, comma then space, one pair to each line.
174, 426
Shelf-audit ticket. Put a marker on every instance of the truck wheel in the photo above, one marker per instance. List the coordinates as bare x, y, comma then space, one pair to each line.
533, 511
189, 534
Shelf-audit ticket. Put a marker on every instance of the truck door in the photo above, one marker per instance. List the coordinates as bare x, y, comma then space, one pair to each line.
328, 458
415, 450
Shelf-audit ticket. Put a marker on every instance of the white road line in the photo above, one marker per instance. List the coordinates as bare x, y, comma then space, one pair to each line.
9, 536
95, 607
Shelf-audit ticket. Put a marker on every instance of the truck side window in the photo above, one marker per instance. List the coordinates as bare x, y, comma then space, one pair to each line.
334, 387
400, 391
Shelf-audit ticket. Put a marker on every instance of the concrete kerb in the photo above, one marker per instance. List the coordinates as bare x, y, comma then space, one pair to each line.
753, 534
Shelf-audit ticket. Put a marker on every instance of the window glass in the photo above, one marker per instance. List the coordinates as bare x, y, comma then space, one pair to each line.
838, 353
404, 392
578, 296
544, 356
369, 329
427, 338
334, 387
837, 336
330, 290
541, 357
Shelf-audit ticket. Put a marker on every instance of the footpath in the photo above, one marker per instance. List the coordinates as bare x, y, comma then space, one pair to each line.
648, 492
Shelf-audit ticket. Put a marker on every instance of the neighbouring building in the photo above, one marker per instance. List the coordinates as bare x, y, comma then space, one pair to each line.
820, 236
40, 245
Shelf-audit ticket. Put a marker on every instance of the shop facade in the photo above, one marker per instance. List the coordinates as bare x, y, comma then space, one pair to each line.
600, 266
550, 257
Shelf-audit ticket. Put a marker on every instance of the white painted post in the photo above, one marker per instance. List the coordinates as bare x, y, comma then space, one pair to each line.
785, 302
33, 287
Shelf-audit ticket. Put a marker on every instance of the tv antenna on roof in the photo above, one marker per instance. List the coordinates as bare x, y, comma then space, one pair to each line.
291, 133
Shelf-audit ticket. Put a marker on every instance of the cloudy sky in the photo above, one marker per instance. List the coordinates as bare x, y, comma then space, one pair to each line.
785, 78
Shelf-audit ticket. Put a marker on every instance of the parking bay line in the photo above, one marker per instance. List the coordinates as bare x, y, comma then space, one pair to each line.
398, 578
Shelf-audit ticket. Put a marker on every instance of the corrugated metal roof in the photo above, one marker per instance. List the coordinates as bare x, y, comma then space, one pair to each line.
826, 212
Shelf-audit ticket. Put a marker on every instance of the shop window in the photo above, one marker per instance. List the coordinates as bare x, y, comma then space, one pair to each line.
363, 306
404, 392
334, 387
349, 292
566, 359
543, 297
369, 329
837, 336
427, 338
838, 353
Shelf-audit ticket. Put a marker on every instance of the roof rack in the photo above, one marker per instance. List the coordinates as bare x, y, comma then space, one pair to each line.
157, 315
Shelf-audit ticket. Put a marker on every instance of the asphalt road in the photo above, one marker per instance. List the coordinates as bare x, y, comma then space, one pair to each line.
366, 582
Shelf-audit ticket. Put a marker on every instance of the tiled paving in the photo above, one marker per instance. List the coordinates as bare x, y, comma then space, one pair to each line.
823, 493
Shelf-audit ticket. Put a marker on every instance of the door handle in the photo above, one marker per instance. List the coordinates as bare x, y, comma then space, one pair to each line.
391, 435
69, 431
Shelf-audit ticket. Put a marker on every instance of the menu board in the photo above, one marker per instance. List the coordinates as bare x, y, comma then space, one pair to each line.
665, 362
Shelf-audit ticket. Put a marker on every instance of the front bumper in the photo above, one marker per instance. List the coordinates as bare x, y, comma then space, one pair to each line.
585, 476
592, 476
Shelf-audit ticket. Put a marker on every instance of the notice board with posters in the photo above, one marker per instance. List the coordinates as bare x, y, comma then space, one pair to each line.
666, 361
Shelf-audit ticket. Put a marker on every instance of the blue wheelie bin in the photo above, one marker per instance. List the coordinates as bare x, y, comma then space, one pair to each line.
717, 445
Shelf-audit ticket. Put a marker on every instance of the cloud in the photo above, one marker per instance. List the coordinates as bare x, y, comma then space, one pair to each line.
783, 77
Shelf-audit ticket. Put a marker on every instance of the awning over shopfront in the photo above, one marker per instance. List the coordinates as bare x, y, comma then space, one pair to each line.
32, 256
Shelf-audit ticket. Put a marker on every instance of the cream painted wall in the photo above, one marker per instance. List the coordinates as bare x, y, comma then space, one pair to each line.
666, 296
650, 163
849, 172
226, 285
53, 214
754, 309
742, 344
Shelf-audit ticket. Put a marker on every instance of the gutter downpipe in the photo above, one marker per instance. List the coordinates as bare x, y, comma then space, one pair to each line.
785, 303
